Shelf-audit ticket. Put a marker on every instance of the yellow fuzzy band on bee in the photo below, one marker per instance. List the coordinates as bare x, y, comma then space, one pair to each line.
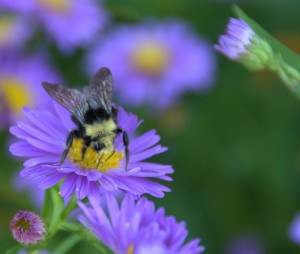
105, 126
101, 161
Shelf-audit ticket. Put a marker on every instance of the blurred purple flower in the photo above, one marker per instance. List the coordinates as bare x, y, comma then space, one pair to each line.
44, 136
14, 32
136, 228
236, 40
22, 185
27, 228
71, 23
294, 229
20, 84
154, 63
13, 6
246, 244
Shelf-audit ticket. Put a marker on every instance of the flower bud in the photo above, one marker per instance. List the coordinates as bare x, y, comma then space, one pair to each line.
27, 228
240, 43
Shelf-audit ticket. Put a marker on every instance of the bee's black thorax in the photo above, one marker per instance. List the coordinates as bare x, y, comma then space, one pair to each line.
91, 115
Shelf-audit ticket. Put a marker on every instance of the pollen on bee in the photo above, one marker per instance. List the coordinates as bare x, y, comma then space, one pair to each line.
93, 159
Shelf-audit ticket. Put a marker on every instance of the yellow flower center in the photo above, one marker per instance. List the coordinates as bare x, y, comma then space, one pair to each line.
22, 224
93, 159
150, 57
6, 26
56, 5
15, 94
130, 249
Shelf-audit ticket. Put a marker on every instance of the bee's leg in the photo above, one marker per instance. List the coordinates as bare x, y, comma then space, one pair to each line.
68, 145
113, 152
83, 150
100, 160
126, 144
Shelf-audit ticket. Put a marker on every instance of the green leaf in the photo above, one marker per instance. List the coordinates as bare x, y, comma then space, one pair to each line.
46, 212
52, 210
288, 55
66, 245
69, 208
53, 204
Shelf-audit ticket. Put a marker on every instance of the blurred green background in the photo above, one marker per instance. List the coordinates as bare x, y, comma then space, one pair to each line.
235, 149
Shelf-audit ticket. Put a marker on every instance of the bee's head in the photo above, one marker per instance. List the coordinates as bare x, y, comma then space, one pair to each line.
97, 145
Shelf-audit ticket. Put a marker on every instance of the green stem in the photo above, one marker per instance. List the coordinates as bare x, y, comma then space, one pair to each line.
56, 225
68, 244
69, 208
55, 213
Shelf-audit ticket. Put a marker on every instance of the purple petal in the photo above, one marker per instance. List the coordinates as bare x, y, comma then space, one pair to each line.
68, 185
22, 148
147, 154
50, 180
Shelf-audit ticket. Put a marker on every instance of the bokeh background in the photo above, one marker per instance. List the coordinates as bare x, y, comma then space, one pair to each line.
235, 147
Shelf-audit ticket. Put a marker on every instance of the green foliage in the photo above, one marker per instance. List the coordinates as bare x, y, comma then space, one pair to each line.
235, 149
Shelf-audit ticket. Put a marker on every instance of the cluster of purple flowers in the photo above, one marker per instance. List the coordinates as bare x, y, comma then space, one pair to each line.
43, 135
135, 227
69, 24
153, 63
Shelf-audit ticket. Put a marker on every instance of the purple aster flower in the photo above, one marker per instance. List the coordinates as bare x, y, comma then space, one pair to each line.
71, 23
154, 63
27, 228
294, 229
43, 140
20, 80
136, 228
236, 40
14, 32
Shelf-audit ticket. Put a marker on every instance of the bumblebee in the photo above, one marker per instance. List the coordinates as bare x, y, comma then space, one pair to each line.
93, 113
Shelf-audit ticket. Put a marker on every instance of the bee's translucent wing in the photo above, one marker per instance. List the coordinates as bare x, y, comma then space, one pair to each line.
100, 90
71, 99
